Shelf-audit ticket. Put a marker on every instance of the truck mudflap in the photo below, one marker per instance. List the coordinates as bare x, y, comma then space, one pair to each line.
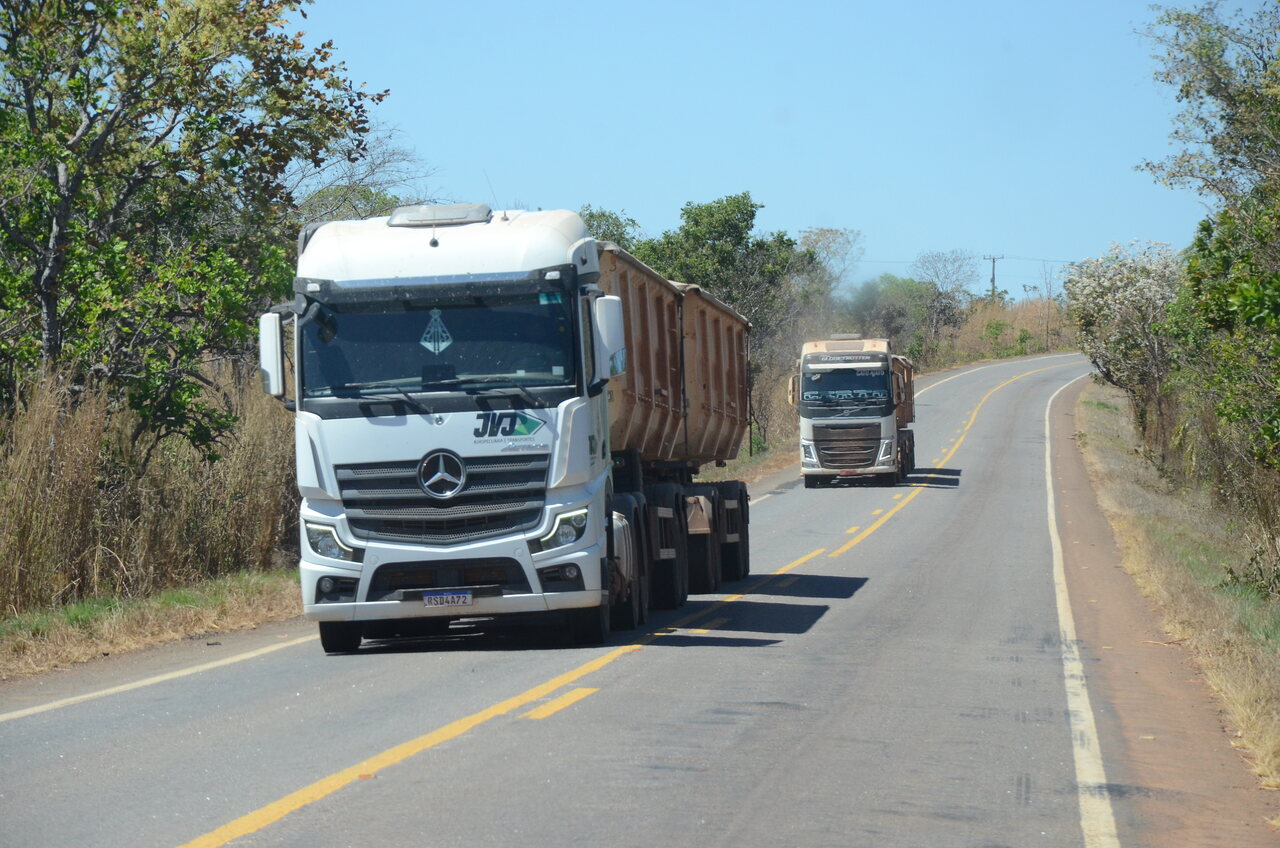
698, 511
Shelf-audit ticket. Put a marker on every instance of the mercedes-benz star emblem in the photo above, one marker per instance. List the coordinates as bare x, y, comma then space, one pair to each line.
441, 474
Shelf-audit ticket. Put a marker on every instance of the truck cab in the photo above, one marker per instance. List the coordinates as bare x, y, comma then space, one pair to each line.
451, 427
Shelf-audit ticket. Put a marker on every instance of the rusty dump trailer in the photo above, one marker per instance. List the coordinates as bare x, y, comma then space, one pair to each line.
680, 404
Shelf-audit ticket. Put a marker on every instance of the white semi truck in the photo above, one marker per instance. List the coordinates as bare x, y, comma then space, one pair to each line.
497, 415
855, 398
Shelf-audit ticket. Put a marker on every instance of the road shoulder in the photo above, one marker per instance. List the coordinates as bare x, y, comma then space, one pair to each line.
1173, 775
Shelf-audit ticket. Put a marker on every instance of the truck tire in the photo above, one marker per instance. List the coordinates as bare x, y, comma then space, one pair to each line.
627, 613
669, 577
735, 557
704, 548
589, 626
340, 637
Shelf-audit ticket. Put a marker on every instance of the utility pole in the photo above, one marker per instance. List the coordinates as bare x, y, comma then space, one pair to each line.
993, 275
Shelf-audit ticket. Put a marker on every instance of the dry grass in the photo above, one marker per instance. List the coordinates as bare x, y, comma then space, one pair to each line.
86, 516
38, 642
102, 551
1177, 545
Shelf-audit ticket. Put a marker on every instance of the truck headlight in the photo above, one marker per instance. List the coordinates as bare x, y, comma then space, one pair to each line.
886, 452
806, 451
323, 540
568, 529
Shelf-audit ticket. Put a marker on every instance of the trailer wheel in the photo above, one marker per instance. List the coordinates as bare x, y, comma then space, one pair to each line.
704, 549
735, 557
340, 637
670, 577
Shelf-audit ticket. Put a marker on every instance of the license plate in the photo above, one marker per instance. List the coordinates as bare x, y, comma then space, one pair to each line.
446, 599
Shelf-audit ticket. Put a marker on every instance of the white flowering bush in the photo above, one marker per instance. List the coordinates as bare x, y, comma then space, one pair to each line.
1121, 302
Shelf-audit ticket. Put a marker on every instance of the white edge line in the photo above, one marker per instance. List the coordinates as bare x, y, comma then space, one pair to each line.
1097, 819
151, 681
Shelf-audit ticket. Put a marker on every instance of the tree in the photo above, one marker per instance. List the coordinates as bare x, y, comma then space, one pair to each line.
359, 183
145, 151
950, 274
617, 227
1225, 71
716, 248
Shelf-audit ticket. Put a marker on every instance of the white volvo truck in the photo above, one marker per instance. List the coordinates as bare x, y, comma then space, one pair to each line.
451, 370
855, 398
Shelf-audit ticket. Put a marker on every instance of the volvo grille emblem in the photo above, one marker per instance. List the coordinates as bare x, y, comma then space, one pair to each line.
441, 474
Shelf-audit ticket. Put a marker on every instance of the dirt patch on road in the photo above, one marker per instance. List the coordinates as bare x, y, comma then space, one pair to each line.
1177, 778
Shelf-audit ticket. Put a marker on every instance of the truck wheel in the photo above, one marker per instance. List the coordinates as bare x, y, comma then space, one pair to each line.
704, 548
589, 626
811, 482
670, 577
627, 613
340, 637
735, 557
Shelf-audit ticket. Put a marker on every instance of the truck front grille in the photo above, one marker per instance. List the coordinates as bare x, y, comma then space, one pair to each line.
852, 447
503, 494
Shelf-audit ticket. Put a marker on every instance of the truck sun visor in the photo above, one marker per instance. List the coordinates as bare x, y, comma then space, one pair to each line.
440, 216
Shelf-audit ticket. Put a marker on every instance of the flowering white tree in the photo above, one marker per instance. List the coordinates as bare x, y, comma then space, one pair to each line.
1121, 302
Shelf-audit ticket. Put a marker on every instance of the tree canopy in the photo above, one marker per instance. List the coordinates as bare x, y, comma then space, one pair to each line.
145, 154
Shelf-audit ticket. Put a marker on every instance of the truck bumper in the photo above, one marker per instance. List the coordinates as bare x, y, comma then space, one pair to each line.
534, 599
808, 470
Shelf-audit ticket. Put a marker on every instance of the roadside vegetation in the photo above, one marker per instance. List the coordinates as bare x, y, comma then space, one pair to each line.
1189, 343
1185, 549
1192, 338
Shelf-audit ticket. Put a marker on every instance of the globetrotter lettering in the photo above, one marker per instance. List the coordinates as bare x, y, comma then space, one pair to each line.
493, 424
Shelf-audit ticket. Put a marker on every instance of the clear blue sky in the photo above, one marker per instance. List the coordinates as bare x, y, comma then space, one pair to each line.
1007, 128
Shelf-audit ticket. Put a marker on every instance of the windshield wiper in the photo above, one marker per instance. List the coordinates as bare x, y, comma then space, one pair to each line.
417, 405
491, 383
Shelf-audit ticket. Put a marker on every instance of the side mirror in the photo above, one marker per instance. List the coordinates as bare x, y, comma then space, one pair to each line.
611, 345
793, 390
271, 354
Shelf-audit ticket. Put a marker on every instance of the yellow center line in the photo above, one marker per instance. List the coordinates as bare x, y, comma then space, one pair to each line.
853, 529
326, 786
945, 458
552, 707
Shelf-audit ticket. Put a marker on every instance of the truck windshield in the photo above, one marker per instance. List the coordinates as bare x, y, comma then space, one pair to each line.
845, 393
518, 341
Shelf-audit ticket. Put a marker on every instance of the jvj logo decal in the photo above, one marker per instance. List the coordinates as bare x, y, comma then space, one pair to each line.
506, 424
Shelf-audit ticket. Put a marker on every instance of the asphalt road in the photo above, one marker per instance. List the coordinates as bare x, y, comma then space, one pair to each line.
895, 672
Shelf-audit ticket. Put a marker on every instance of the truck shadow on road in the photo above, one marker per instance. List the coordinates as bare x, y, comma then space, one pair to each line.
807, 586
761, 616
713, 621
